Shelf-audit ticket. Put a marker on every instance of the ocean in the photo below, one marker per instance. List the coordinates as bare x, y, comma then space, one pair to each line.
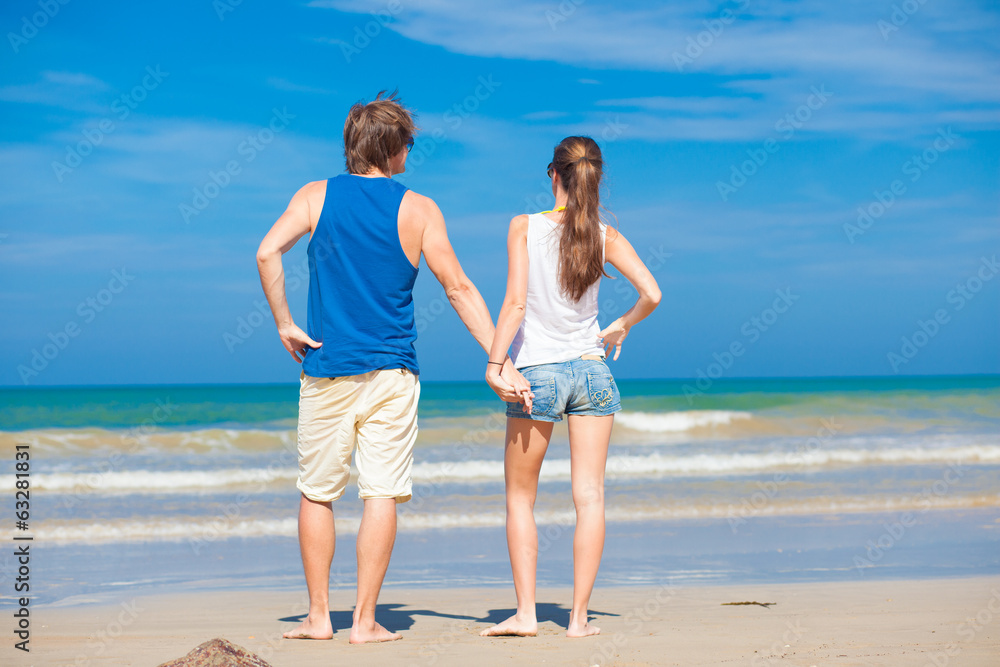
164, 488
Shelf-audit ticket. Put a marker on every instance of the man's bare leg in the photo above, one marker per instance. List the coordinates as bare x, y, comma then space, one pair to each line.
527, 441
317, 540
375, 541
588, 446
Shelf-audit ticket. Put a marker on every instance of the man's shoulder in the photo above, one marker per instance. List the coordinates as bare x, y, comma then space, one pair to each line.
417, 204
313, 189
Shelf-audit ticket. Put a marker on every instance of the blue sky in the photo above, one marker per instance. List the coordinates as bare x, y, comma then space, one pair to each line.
741, 139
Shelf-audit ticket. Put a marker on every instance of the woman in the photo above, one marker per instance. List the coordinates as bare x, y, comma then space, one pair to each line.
555, 263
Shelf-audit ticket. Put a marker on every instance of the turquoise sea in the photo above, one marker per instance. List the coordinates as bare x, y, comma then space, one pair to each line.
160, 488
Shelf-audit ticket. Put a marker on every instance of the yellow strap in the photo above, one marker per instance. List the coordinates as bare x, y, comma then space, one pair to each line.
558, 208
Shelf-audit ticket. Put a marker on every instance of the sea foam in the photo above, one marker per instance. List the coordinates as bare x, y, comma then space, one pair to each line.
480, 470
674, 422
199, 531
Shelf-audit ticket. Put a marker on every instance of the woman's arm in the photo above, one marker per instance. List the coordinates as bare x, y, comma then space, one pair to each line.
512, 311
620, 254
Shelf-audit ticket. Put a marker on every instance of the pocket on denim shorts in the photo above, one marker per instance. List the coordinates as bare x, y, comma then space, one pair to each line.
602, 389
543, 386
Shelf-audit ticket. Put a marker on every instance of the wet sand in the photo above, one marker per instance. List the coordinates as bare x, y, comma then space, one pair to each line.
908, 622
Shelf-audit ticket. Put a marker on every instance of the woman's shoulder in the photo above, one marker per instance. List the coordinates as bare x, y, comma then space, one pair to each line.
520, 222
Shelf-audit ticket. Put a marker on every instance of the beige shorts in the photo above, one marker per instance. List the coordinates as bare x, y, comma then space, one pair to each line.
377, 411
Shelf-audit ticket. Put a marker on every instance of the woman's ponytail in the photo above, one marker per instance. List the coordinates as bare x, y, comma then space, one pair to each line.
578, 162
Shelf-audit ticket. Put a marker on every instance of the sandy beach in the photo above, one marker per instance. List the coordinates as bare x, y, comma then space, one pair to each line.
878, 544
906, 622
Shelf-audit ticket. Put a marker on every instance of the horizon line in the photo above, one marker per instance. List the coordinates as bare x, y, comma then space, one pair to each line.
617, 379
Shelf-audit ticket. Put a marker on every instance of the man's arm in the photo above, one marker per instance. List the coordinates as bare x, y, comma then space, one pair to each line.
293, 224
462, 293
441, 260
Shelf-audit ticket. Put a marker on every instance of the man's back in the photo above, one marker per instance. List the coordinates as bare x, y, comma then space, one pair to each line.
360, 281
367, 234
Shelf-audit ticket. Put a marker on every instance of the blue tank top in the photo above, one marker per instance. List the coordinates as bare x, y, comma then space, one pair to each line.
360, 282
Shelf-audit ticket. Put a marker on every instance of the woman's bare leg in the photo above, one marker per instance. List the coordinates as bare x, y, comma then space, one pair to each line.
527, 441
588, 445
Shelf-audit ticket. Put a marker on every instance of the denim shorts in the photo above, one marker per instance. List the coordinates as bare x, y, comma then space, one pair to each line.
577, 387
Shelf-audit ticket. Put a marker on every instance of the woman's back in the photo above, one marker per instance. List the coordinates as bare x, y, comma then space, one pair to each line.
548, 323
555, 327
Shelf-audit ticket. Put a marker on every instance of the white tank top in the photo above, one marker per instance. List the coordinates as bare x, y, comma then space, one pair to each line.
555, 328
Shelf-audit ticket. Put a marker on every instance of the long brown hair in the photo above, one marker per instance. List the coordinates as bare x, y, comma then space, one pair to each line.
578, 162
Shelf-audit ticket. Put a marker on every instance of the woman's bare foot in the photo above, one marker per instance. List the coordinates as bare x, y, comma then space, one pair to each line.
372, 633
312, 628
513, 627
584, 629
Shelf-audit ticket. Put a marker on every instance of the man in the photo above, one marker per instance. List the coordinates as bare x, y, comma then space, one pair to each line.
359, 379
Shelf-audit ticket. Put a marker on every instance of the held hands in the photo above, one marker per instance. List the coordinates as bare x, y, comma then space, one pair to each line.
509, 384
296, 341
614, 334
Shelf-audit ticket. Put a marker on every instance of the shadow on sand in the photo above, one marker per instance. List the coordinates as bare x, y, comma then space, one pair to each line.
400, 617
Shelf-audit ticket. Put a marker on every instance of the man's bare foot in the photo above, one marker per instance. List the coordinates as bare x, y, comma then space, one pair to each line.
582, 630
513, 627
318, 628
373, 633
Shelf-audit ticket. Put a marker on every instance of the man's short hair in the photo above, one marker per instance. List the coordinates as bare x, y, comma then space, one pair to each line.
376, 131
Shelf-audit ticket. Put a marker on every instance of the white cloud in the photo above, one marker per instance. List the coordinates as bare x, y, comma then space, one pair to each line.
940, 66
544, 115
286, 85
66, 90
74, 79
